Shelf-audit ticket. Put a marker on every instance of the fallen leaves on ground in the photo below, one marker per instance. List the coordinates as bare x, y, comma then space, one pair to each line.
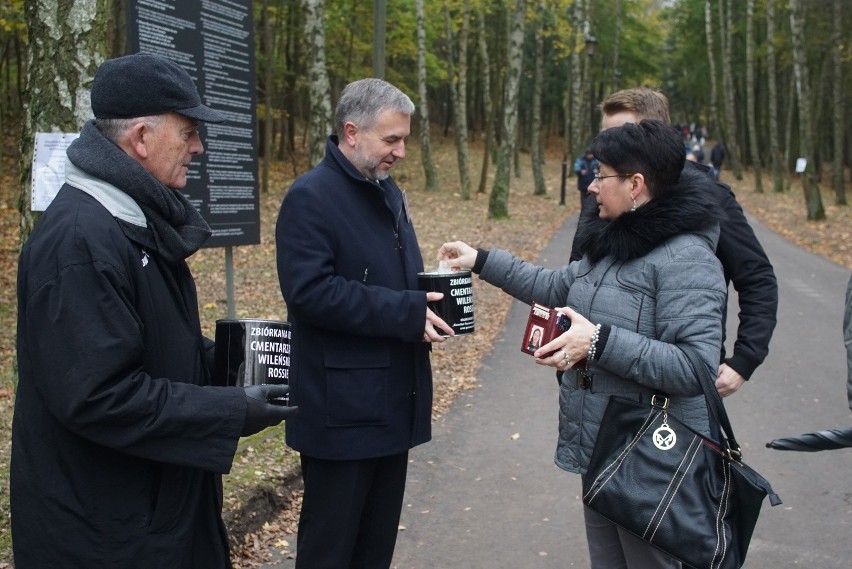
785, 214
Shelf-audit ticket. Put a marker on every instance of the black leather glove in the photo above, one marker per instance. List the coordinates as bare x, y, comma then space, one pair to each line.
261, 409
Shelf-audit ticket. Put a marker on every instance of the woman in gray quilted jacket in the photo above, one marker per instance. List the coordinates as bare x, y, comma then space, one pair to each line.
648, 286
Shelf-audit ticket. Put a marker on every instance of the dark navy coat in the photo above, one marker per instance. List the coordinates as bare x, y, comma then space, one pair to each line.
117, 449
348, 261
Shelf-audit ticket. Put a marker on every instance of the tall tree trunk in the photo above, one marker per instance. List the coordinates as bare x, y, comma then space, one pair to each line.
486, 102
294, 67
771, 68
792, 102
616, 72
267, 97
579, 66
750, 112
568, 94
538, 79
498, 203
320, 98
69, 39
425, 135
711, 60
458, 91
838, 156
379, 13
813, 198
727, 35
282, 40
822, 106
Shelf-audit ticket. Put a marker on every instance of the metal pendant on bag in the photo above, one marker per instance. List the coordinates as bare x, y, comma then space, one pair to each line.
664, 437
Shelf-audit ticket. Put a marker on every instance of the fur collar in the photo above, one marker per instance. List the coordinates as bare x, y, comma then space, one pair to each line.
691, 207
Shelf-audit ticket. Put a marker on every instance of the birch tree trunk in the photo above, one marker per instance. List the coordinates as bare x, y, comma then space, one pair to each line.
772, 73
838, 154
458, 91
423, 107
69, 39
813, 199
498, 203
728, 84
535, 126
711, 60
486, 102
320, 99
750, 113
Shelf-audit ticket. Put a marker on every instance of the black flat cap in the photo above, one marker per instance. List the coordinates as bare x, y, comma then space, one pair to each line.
142, 84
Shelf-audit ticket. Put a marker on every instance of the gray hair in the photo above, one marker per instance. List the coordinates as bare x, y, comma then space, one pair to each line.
114, 129
361, 103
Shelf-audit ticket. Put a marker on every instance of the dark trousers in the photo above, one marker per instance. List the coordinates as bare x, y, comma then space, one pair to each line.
583, 194
350, 512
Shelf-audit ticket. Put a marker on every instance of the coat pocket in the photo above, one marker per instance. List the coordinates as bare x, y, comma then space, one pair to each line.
357, 387
177, 495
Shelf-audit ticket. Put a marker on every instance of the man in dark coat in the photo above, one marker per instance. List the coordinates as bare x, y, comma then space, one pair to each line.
118, 439
743, 259
348, 260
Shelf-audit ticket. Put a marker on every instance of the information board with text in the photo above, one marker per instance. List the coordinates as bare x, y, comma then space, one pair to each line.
212, 40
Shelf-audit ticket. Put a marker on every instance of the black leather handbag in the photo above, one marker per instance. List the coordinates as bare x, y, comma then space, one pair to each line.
688, 495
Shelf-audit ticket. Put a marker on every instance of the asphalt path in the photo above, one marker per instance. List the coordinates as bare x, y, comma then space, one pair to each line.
485, 493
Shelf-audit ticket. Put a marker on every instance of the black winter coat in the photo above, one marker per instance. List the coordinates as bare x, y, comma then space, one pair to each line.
348, 261
116, 449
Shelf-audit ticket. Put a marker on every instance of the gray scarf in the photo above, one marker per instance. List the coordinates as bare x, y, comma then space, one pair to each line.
176, 228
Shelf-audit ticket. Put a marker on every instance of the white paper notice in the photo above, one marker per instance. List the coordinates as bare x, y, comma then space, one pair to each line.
49, 166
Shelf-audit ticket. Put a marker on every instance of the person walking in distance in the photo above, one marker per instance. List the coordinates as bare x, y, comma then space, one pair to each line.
585, 167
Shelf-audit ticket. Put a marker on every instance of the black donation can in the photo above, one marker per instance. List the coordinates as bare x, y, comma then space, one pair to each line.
252, 352
456, 308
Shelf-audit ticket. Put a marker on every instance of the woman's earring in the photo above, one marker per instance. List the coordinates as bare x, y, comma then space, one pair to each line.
633, 208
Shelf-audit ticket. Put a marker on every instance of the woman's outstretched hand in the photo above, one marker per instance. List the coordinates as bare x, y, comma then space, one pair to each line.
457, 256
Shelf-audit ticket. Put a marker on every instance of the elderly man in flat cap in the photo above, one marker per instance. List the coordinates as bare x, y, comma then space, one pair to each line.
119, 439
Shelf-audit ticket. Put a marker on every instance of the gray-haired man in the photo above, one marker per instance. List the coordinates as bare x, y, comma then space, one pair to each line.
348, 260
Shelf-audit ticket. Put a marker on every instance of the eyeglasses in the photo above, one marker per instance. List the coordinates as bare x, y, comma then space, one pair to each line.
599, 178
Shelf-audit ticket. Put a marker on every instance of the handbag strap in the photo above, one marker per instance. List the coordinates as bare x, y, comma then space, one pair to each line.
732, 447
714, 404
